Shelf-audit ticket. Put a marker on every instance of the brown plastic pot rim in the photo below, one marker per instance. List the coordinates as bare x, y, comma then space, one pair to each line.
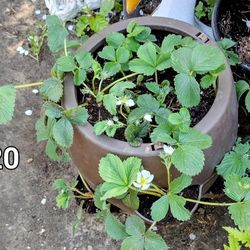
210, 120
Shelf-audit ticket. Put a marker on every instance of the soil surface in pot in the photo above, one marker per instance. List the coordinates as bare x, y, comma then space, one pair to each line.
232, 19
97, 111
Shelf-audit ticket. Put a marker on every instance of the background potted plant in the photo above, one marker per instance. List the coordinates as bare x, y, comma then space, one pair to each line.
231, 20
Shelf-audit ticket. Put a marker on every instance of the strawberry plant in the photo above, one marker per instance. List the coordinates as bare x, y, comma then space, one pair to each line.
148, 88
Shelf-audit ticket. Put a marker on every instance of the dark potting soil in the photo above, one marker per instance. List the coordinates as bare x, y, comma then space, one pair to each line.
97, 112
232, 19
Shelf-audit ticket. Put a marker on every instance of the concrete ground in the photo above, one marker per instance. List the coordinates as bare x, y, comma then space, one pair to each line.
24, 222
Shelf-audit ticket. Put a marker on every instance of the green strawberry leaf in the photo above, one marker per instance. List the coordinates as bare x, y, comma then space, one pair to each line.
247, 101
119, 88
170, 42
133, 242
240, 213
51, 150
109, 102
206, 58
208, 80
237, 187
98, 22
108, 53
181, 60
154, 241
118, 175
177, 207
79, 76
114, 228
7, 103
63, 132
188, 159
122, 55
239, 236
63, 200
56, 33
66, 64
135, 226
160, 208
84, 59
195, 138
235, 162
182, 120
52, 89
131, 200
241, 87
53, 110
180, 183
77, 115
115, 39
134, 133
187, 90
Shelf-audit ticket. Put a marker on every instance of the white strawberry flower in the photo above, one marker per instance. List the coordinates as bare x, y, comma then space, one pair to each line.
127, 102
110, 123
130, 103
168, 150
144, 180
148, 117
118, 103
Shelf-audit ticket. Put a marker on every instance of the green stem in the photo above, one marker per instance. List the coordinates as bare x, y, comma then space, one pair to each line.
81, 197
87, 87
81, 193
100, 85
145, 192
119, 80
158, 189
123, 73
223, 204
151, 193
152, 225
168, 165
28, 85
85, 184
93, 84
121, 112
65, 47
156, 77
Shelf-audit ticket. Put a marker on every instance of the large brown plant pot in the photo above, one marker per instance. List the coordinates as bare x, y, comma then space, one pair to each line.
220, 122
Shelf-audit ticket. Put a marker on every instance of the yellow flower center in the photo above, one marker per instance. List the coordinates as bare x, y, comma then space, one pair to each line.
124, 99
143, 181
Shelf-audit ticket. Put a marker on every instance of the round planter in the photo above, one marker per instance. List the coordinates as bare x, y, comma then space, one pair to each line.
218, 10
220, 122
